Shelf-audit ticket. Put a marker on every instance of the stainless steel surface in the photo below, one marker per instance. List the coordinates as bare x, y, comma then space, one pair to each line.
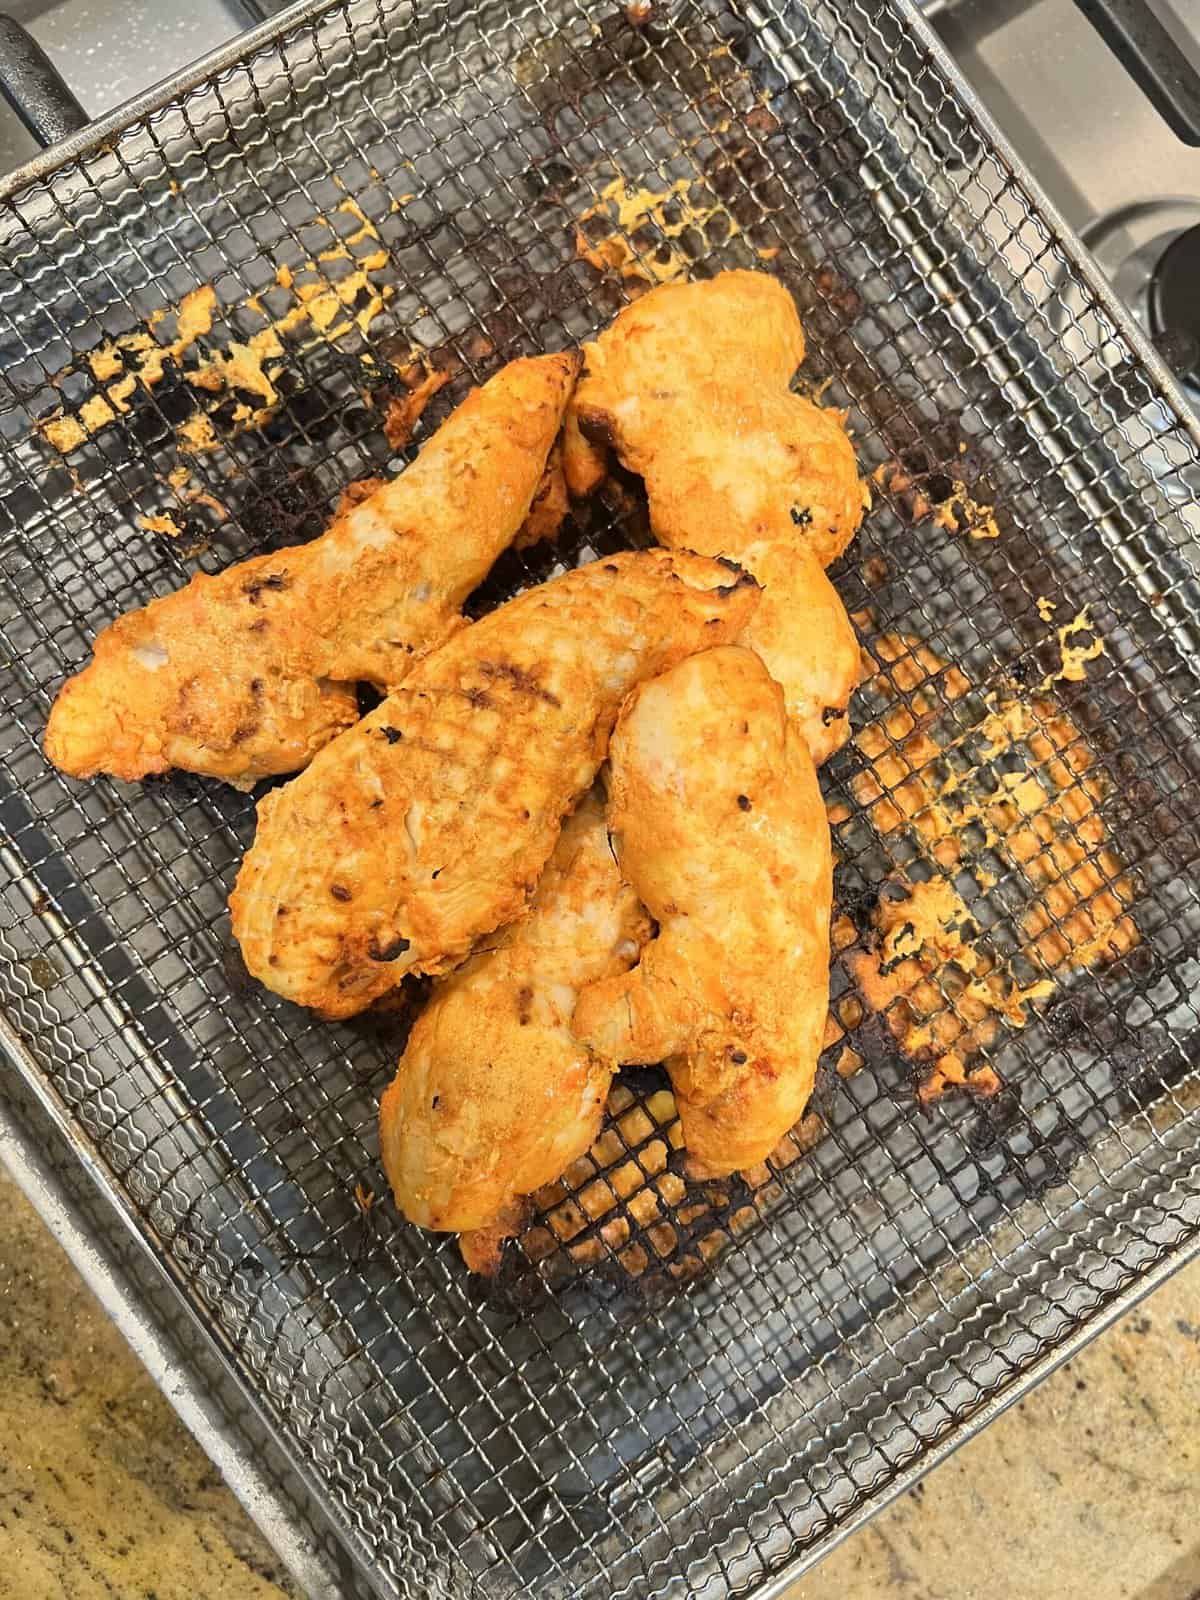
607, 1433
109, 50
162, 1334
1074, 114
1108, 161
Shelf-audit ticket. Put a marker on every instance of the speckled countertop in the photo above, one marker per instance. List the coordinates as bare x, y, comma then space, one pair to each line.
1088, 1487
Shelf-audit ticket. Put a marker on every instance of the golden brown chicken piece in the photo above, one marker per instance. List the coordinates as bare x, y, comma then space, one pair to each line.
249, 673
494, 1095
550, 504
584, 464
689, 385
428, 823
807, 640
718, 823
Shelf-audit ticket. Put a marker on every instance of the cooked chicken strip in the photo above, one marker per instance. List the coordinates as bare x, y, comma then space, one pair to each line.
549, 506
803, 634
689, 385
584, 464
494, 1095
428, 823
249, 673
718, 823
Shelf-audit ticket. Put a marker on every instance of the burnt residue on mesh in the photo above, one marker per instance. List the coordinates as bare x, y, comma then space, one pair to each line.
742, 173
150, 415
525, 300
1012, 1145
234, 970
1143, 1057
854, 896
1145, 1073
941, 477
155, 413
516, 1288
196, 530
282, 505
897, 1075
386, 1025
550, 180
826, 1092
1062, 1020
186, 788
627, 52
317, 411
519, 1288
631, 1299
995, 1119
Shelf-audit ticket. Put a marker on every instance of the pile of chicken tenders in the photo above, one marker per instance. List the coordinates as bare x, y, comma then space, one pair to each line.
678, 911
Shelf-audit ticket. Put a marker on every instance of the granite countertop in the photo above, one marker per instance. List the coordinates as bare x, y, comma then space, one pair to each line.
1089, 1486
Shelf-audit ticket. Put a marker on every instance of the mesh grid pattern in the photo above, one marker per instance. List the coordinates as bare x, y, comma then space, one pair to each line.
613, 1427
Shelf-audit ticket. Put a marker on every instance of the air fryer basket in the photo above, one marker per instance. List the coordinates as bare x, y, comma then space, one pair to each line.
668, 1391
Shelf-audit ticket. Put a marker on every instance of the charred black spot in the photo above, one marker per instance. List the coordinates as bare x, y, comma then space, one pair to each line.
831, 714
524, 1002
390, 951
521, 679
738, 1057
375, 805
273, 581
801, 516
611, 566
743, 802
281, 911
436, 1101
436, 873
366, 697
340, 892
392, 735
745, 580
597, 428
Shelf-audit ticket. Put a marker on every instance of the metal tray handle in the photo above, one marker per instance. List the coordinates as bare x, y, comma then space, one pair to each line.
34, 87
1141, 42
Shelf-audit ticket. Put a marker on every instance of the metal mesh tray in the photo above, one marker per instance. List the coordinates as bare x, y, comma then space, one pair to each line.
670, 1392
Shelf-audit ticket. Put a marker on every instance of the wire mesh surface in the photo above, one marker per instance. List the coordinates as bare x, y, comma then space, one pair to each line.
670, 1390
